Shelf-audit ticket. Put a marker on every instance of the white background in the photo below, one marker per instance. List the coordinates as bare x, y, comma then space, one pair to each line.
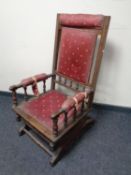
27, 29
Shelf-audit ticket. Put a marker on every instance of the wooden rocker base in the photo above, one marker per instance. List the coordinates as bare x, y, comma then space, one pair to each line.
58, 150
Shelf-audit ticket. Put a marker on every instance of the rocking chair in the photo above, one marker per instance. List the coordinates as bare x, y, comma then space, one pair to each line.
54, 119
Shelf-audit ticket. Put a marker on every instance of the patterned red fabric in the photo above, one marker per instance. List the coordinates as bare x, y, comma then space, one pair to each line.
71, 101
35, 89
81, 20
33, 81
80, 96
68, 104
43, 107
76, 53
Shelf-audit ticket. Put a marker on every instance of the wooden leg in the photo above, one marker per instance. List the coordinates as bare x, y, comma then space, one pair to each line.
56, 156
18, 118
69, 140
52, 146
27, 127
21, 131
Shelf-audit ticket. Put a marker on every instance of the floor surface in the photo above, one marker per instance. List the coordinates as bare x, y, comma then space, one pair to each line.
105, 149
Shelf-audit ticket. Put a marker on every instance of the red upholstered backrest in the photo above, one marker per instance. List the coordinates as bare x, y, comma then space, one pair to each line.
76, 53
81, 20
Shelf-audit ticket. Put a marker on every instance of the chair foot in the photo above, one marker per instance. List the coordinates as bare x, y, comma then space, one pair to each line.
21, 131
56, 156
27, 127
52, 146
18, 118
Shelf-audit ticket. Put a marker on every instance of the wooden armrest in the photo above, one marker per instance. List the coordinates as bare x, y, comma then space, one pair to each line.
75, 103
15, 87
30, 81
36, 78
71, 101
56, 115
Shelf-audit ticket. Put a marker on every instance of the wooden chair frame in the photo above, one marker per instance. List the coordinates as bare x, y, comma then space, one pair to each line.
56, 143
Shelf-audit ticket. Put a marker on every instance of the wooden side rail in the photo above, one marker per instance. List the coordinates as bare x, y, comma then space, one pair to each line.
27, 82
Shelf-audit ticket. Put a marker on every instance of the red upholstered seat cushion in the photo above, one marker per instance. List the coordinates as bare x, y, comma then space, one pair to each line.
43, 107
76, 53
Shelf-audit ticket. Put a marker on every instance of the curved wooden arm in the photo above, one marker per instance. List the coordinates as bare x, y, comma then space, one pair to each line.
15, 87
71, 103
27, 82
56, 115
30, 81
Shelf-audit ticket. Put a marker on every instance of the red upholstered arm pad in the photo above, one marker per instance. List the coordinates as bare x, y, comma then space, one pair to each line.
37, 78
76, 99
30, 80
68, 104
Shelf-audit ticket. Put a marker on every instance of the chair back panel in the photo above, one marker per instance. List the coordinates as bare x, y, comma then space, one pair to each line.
79, 46
76, 53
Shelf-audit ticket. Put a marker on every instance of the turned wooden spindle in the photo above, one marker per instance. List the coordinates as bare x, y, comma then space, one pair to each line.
83, 88
77, 86
82, 106
90, 100
14, 98
44, 86
60, 79
75, 112
55, 126
70, 83
18, 118
25, 93
65, 81
65, 119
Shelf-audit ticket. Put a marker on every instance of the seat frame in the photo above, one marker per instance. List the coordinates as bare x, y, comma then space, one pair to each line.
56, 143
